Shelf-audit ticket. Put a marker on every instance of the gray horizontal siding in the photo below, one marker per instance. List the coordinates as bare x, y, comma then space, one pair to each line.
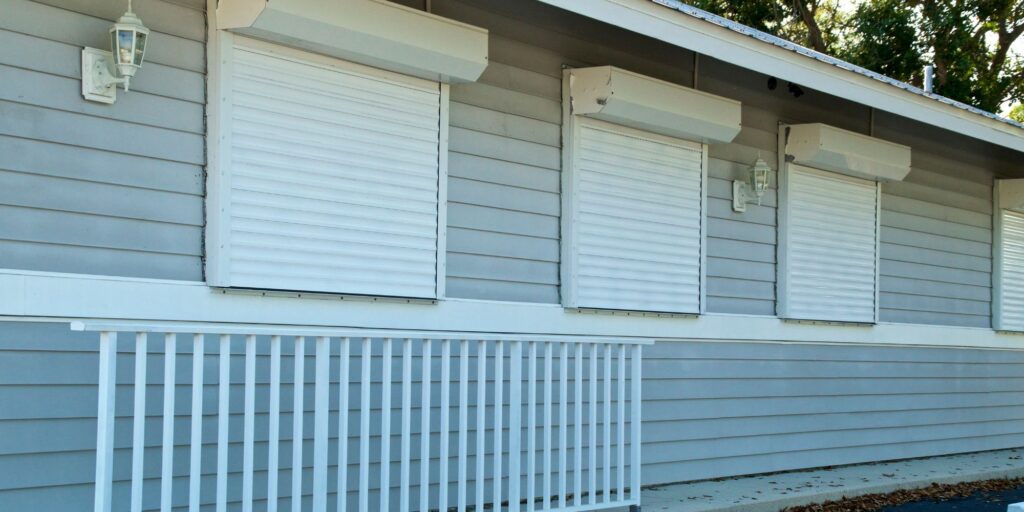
503, 185
720, 409
710, 409
123, 182
936, 240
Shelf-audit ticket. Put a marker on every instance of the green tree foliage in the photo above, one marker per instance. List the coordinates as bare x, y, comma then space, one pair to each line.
969, 41
1017, 113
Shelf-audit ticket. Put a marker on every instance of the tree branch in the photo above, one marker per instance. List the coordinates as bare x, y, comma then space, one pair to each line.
813, 30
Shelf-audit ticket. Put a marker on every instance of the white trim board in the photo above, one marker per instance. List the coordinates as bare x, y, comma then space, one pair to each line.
653, 20
36, 296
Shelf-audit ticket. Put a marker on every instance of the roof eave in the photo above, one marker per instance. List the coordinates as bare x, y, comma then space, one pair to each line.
676, 28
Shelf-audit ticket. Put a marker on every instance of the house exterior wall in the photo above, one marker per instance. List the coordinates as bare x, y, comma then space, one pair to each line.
119, 191
124, 183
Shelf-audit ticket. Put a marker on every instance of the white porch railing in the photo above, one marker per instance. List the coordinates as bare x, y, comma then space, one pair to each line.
552, 422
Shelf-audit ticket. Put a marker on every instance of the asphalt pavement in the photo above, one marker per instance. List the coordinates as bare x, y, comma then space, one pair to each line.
983, 501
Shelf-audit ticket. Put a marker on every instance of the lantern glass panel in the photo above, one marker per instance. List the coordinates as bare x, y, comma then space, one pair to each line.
124, 46
140, 49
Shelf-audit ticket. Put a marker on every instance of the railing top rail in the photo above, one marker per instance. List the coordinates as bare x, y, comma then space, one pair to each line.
341, 332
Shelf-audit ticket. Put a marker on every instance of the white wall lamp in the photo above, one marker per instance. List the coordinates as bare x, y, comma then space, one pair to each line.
744, 192
103, 70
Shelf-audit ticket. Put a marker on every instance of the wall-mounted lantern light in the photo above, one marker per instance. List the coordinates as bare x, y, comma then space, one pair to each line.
103, 70
744, 192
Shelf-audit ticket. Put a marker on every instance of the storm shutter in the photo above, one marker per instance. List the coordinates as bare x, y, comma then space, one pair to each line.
1010, 309
636, 204
331, 177
830, 260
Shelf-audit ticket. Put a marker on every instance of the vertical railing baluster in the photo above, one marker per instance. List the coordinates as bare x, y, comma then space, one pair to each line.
321, 415
563, 425
607, 480
139, 421
343, 390
548, 348
446, 374
515, 411
223, 397
364, 428
578, 430
499, 427
105, 422
298, 411
274, 435
406, 423
463, 421
425, 428
592, 426
167, 457
481, 422
249, 428
622, 423
531, 426
385, 428
195, 472
635, 424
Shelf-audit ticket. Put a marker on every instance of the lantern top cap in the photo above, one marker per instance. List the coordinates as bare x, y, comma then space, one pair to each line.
130, 20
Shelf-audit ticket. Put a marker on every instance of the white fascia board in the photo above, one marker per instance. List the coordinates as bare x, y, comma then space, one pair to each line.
373, 32
631, 99
653, 20
833, 149
42, 296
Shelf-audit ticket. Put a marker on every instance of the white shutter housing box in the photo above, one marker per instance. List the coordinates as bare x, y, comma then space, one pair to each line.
630, 99
832, 149
1011, 194
373, 32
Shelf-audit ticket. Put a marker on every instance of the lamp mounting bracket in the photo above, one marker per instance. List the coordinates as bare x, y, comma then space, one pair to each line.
98, 82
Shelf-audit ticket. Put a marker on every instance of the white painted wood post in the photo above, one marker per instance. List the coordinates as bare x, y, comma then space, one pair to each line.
531, 426
343, 411
463, 422
563, 425
425, 428
196, 440
481, 423
249, 428
592, 427
167, 456
298, 411
321, 414
105, 422
406, 457
635, 424
385, 428
606, 486
622, 423
499, 406
274, 434
548, 349
515, 411
578, 429
446, 373
139, 421
364, 428
224, 393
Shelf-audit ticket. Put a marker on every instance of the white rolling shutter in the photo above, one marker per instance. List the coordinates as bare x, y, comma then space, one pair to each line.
1011, 271
333, 177
637, 221
831, 244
